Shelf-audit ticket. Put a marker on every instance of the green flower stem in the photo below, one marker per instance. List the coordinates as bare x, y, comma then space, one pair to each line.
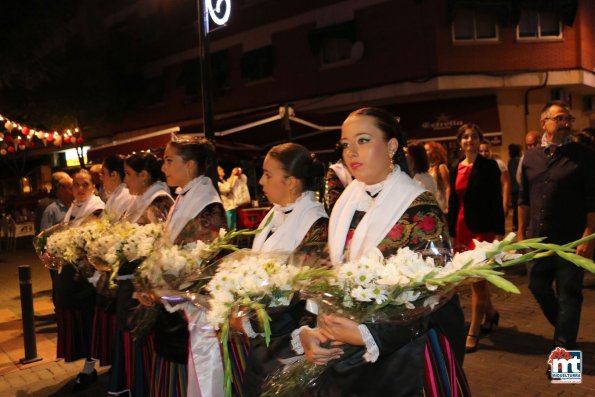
226, 358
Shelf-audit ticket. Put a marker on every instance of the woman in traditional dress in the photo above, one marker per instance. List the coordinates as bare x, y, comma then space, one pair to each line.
131, 367
297, 223
119, 197
476, 212
197, 214
74, 295
383, 208
104, 319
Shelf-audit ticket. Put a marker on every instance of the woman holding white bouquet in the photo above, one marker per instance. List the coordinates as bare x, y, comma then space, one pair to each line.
384, 209
104, 319
74, 295
297, 223
131, 368
197, 214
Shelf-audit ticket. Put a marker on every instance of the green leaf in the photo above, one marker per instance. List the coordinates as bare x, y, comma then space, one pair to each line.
503, 284
578, 260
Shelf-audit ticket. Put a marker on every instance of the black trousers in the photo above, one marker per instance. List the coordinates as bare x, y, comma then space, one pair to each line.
561, 307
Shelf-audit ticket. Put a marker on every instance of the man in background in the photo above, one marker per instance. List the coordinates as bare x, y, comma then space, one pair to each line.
557, 201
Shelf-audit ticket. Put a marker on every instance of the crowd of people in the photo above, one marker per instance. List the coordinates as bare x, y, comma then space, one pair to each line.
381, 193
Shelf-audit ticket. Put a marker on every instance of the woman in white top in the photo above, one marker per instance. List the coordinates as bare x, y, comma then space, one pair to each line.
119, 197
417, 160
297, 223
74, 295
384, 209
439, 171
198, 214
132, 357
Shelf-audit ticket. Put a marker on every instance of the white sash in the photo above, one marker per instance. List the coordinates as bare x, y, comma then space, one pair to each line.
118, 202
142, 202
291, 228
205, 364
192, 199
82, 210
382, 213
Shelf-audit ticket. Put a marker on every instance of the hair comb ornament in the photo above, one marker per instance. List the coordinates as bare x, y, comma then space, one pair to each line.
187, 138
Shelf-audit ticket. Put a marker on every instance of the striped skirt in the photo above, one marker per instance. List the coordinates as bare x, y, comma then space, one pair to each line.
75, 327
104, 332
238, 351
131, 365
444, 377
170, 379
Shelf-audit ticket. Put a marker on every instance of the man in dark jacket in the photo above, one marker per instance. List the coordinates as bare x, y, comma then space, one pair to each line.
557, 201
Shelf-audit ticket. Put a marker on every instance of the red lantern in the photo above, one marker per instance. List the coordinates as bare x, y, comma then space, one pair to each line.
8, 138
50, 138
79, 140
22, 146
3, 152
26, 131
10, 149
66, 139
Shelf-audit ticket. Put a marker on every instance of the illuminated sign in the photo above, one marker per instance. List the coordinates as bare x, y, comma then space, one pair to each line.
219, 11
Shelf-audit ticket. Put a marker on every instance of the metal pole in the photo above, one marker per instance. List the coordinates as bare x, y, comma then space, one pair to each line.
205, 70
27, 314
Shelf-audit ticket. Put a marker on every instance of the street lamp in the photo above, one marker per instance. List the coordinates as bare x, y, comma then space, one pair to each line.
219, 12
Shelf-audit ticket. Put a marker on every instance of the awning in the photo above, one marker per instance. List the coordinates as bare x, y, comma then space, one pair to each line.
153, 140
251, 133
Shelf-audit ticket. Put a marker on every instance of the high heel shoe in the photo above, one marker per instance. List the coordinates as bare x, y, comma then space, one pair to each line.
472, 348
490, 323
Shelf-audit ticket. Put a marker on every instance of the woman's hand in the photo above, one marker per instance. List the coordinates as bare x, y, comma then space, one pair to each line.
340, 329
311, 340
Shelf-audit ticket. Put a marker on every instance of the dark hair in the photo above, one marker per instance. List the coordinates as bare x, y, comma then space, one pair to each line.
546, 108
115, 163
514, 150
469, 126
202, 151
390, 127
486, 142
146, 161
297, 161
417, 154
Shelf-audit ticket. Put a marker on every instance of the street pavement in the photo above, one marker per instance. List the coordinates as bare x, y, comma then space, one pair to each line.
511, 361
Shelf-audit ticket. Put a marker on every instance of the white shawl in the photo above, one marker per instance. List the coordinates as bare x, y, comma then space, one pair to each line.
342, 173
191, 200
118, 202
289, 229
142, 202
80, 210
383, 212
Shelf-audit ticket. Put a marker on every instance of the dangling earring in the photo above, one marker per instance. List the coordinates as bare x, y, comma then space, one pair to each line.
391, 165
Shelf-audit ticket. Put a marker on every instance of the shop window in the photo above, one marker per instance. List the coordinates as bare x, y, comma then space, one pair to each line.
257, 64
474, 26
537, 25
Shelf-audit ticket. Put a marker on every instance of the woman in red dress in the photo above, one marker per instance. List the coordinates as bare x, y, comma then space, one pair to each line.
476, 212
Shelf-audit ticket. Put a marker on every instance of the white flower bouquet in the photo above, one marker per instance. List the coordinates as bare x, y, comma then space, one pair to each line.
63, 244
256, 282
407, 286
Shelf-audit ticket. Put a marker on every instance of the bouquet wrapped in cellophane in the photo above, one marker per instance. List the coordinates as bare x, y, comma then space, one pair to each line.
406, 287
248, 281
63, 244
